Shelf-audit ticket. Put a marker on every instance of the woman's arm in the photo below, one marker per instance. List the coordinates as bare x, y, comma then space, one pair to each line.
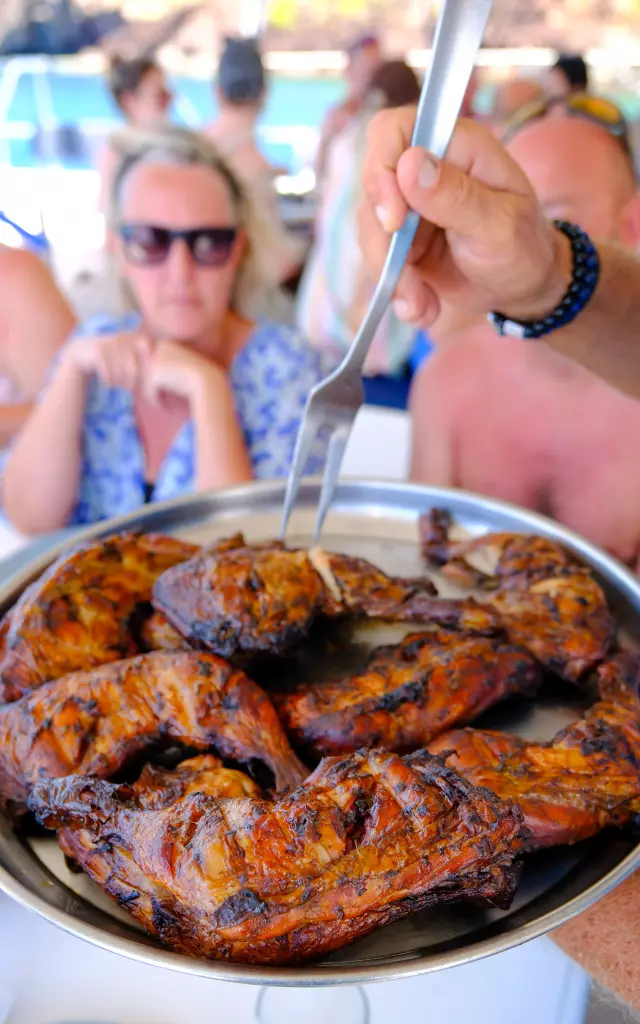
42, 473
35, 319
12, 419
221, 454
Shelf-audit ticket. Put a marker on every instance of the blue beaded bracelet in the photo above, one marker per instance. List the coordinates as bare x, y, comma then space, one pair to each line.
584, 280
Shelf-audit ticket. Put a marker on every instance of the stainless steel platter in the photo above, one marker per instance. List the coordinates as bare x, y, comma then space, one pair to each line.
377, 521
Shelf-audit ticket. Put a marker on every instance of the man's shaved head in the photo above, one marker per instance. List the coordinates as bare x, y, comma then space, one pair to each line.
580, 173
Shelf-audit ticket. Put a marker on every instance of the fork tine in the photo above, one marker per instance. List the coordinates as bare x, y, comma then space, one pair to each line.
335, 455
306, 436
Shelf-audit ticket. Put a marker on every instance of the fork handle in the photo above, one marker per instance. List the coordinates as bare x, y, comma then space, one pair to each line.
459, 33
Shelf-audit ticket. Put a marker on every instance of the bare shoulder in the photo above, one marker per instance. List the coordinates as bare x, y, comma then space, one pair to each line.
23, 271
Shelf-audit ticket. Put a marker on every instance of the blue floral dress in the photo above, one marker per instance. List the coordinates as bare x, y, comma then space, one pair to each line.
270, 378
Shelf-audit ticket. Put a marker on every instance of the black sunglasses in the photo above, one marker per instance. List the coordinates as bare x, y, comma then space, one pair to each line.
149, 246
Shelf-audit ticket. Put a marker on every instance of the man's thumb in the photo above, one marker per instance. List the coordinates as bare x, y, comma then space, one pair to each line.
442, 194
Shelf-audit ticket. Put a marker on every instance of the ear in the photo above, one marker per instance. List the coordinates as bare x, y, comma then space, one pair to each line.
239, 248
629, 224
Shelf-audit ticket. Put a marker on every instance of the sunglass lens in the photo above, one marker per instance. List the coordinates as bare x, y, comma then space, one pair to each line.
146, 244
212, 246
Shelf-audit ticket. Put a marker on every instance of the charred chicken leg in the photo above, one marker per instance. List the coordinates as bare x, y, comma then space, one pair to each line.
547, 601
77, 614
408, 693
95, 722
263, 599
366, 840
586, 778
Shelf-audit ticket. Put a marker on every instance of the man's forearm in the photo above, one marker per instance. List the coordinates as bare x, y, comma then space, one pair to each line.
604, 940
605, 337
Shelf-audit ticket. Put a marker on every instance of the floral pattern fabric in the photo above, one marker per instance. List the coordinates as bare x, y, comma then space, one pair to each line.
270, 378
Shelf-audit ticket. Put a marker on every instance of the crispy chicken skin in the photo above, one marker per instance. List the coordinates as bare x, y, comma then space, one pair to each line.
263, 599
111, 865
95, 722
407, 693
366, 840
547, 601
77, 614
586, 778
156, 633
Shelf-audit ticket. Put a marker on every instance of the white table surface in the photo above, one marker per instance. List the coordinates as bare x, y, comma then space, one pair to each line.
47, 976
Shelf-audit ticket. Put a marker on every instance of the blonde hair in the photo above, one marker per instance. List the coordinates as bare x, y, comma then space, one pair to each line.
183, 147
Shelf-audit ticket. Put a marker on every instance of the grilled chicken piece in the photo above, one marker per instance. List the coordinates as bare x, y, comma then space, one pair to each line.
77, 614
408, 693
157, 634
263, 599
155, 790
95, 722
547, 601
366, 840
586, 778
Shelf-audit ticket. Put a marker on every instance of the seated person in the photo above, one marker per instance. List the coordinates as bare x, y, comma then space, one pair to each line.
336, 287
569, 74
143, 97
511, 96
364, 57
516, 420
185, 394
35, 321
241, 93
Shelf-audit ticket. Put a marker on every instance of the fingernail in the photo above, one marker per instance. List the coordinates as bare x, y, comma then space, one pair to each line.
402, 309
383, 216
428, 172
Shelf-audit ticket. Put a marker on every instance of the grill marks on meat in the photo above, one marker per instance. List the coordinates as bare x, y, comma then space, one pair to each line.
546, 600
263, 599
366, 840
95, 722
77, 614
408, 693
586, 778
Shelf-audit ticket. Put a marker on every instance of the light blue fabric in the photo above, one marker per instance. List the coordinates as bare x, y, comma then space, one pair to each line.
270, 378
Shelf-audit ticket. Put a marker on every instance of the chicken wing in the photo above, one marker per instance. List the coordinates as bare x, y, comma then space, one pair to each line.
586, 778
548, 602
95, 722
77, 614
407, 693
365, 841
263, 599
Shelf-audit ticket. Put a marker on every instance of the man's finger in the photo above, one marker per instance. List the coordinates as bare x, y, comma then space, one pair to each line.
388, 136
417, 303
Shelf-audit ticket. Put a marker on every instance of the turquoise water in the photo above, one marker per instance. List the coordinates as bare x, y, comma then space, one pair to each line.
77, 98
82, 98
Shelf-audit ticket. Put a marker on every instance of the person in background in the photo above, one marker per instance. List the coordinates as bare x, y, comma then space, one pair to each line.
184, 394
511, 96
521, 422
364, 57
241, 89
35, 320
569, 74
483, 243
336, 287
143, 98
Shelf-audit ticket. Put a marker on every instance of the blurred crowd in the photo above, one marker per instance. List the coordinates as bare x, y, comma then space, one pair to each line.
216, 318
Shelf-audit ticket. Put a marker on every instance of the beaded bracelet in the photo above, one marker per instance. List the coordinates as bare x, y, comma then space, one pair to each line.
584, 280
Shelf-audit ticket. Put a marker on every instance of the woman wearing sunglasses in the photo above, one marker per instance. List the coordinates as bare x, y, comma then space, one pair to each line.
187, 393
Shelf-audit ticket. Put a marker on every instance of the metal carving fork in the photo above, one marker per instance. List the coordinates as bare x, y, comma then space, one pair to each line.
334, 402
